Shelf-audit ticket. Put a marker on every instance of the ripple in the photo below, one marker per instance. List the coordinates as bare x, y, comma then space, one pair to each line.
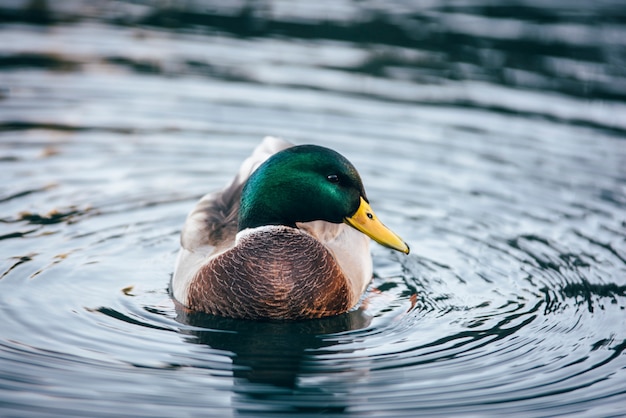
487, 135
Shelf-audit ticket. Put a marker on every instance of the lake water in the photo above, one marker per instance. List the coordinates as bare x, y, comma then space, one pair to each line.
492, 138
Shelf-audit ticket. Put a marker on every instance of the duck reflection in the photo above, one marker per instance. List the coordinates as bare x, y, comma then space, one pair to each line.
270, 352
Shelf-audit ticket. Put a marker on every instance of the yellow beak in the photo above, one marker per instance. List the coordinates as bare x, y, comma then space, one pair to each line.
366, 221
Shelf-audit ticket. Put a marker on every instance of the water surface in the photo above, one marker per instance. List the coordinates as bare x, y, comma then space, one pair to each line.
491, 138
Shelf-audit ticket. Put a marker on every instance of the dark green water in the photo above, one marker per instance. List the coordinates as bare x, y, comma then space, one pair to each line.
491, 136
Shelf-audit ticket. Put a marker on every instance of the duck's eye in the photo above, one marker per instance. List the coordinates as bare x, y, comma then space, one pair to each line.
333, 178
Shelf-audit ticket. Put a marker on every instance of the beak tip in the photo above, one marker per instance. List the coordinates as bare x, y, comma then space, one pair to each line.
405, 248
364, 221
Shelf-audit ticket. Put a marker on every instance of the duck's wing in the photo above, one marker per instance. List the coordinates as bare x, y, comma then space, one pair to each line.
213, 221
211, 226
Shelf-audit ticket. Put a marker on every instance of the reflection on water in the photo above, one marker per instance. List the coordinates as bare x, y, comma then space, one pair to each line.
490, 136
274, 353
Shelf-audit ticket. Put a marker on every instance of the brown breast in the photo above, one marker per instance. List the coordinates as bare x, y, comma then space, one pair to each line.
274, 273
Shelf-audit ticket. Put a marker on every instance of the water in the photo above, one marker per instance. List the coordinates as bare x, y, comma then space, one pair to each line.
491, 137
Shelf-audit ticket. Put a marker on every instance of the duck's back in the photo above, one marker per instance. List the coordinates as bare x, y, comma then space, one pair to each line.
211, 226
273, 272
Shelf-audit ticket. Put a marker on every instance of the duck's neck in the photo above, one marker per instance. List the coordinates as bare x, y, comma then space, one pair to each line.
256, 211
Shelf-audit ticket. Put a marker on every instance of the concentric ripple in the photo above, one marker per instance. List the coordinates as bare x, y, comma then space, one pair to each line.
491, 137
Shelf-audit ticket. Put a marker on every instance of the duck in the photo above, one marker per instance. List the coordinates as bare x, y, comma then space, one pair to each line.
287, 239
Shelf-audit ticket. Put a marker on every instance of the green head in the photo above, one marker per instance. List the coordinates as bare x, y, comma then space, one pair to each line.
300, 184
309, 183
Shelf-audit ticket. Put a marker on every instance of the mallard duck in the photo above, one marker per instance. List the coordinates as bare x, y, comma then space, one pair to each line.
288, 238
